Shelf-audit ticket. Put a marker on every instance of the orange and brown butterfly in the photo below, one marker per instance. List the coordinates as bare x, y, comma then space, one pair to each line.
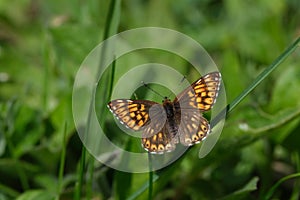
164, 125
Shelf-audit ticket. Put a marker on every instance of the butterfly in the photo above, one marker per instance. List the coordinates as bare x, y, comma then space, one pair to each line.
181, 120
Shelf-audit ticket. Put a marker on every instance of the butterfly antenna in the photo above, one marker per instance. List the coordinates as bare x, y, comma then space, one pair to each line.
147, 86
183, 78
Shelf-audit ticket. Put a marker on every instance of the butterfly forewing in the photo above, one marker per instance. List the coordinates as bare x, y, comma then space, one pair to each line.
201, 94
134, 114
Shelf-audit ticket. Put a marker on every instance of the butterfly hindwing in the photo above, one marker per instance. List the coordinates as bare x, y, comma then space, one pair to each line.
193, 127
159, 143
158, 117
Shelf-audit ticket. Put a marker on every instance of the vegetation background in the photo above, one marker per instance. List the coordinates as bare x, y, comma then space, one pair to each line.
42, 44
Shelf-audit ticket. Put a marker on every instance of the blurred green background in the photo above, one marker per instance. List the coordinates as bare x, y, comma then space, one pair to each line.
42, 44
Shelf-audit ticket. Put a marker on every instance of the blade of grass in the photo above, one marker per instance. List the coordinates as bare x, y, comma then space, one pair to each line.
112, 22
229, 108
9, 191
89, 184
142, 189
113, 67
47, 64
272, 190
79, 183
62, 163
150, 177
8, 129
296, 192
111, 17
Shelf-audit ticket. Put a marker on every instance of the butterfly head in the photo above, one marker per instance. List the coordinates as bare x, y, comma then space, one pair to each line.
166, 100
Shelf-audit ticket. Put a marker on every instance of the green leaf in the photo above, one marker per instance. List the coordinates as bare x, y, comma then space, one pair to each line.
47, 182
241, 193
36, 195
284, 90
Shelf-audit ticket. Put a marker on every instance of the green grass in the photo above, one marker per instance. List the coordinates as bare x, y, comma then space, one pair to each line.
42, 45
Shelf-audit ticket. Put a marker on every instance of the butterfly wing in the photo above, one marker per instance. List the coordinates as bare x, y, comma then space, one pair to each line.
193, 127
134, 114
201, 94
158, 143
147, 116
194, 100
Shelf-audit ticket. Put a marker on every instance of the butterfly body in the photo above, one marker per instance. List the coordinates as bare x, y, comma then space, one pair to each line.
169, 108
164, 125
173, 116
